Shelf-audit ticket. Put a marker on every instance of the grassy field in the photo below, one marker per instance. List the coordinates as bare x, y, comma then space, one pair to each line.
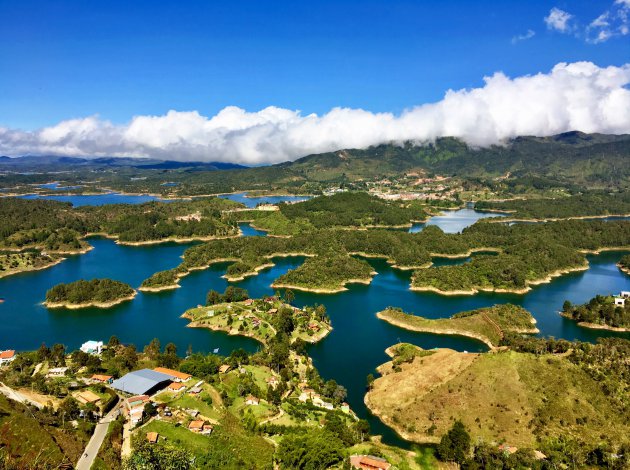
516, 398
229, 445
486, 324
29, 443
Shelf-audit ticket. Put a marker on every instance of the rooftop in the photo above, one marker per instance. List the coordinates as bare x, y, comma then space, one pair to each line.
142, 382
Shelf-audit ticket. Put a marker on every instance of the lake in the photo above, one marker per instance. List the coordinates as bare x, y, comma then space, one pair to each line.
78, 200
353, 349
253, 201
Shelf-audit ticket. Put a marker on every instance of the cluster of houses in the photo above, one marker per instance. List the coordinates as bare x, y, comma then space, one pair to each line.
307, 394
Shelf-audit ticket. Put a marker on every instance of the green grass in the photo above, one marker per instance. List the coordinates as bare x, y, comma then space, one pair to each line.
488, 324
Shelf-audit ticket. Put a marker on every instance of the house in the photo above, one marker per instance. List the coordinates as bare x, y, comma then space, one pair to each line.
272, 311
507, 450
56, 372
224, 369
195, 391
177, 375
620, 301
317, 401
307, 394
176, 387
152, 437
369, 462
135, 415
103, 379
272, 381
252, 400
625, 294
87, 396
200, 427
6, 356
92, 347
313, 326
249, 302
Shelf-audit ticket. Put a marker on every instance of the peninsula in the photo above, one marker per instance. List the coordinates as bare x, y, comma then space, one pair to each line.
488, 325
601, 312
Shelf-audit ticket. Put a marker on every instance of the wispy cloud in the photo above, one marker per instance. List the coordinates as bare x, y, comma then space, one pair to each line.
524, 37
559, 20
611, 23
577, 96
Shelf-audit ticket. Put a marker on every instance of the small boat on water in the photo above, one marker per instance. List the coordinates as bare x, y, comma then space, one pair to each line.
1, 300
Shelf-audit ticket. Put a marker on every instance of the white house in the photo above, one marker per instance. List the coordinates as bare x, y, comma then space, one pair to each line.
625, 294
6, 357
620, 301
92, 347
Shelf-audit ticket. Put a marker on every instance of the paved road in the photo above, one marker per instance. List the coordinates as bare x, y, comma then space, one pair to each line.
17, 396
87, 459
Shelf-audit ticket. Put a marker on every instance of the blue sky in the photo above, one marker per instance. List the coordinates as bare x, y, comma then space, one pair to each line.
62, 59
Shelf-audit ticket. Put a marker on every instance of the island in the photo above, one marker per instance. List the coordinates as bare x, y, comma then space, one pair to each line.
101, 293
260, 319
525, 255
488, 325
602, 312
532, 394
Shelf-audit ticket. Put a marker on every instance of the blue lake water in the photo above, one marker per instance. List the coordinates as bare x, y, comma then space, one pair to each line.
78, 200
353, 349
254, 201
55, 187
454, 221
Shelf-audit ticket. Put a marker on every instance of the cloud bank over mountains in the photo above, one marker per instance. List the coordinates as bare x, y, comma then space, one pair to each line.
577, 96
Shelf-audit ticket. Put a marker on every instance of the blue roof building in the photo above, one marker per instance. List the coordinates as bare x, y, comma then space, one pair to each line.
142, 382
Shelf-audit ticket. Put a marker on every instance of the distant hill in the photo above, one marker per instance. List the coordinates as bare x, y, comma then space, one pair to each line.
52, 163
587, 157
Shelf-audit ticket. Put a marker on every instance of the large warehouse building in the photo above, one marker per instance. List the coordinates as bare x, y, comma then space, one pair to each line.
142, 382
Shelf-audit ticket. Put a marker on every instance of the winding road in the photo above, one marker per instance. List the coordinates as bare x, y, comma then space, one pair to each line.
91, 450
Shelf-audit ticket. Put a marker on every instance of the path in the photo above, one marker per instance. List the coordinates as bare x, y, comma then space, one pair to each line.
91, 450
17, 396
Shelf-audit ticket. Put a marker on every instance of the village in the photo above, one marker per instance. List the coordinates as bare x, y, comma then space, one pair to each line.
158, 404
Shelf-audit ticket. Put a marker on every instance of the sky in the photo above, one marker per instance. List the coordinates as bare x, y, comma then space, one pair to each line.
260, 82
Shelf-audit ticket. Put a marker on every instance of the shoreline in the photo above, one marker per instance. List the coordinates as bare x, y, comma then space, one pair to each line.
596, 326
39, 268
623, 269
72, 306
454, 331
556, 219
322, 290
528, 284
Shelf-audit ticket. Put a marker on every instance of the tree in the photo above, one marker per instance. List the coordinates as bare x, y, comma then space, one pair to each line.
153, 349
113, 342
213, 297
159, 456
370, 381
455, 444
68, 409
289, 296
312, 450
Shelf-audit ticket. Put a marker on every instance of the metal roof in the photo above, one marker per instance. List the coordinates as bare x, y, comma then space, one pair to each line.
140, 382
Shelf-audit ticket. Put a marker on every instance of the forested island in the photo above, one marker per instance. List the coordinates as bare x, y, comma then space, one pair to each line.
538, 396
600, 312
488, 325
526, 254
57, 227
101, 293
593, 204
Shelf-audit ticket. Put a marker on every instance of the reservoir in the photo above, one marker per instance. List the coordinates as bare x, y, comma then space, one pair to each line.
353, 349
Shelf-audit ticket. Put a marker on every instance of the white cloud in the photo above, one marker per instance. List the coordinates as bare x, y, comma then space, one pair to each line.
524, 37
577, 96
559, 20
